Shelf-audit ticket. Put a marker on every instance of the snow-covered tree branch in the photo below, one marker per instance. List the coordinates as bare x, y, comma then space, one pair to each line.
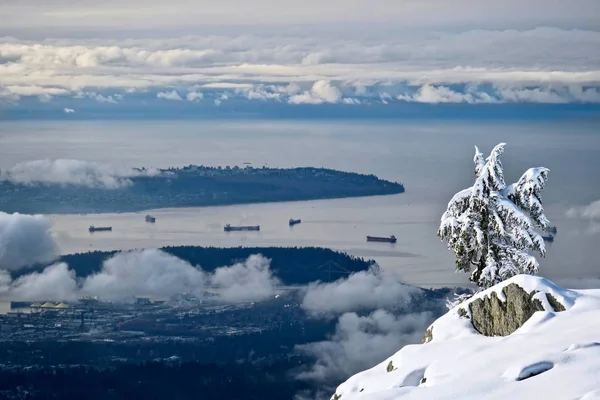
492, 227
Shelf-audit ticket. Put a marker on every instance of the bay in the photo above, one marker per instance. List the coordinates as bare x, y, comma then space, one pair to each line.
432, 159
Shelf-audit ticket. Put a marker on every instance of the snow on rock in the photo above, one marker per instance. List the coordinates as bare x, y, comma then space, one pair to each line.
553, 354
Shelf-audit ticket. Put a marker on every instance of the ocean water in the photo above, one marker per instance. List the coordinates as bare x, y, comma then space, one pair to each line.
432, 159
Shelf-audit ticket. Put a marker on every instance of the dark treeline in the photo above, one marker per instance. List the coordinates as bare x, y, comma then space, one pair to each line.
154, 380
194, 186
293, 265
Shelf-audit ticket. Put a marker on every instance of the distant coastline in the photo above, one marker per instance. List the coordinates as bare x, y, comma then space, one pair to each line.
192, 186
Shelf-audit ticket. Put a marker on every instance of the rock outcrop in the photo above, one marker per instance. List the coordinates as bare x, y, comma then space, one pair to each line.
492, 316
428, 335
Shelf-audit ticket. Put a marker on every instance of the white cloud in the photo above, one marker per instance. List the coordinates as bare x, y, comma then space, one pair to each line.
127, 274
194, 96
105, 99
547, 65
442, 94
72, 172
591, 211
25, 240
362, 290
321, 92
69, 111
228, 85
54, 283
360, 342
150, 273
251, 280
172, 95
45, 98
98, 97
472, 95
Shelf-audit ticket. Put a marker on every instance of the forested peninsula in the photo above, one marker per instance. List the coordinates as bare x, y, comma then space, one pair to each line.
191, 186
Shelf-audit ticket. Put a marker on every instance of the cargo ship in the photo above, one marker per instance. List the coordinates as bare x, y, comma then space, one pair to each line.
390, 239
150, 218
100, 228
294, 221
229, 228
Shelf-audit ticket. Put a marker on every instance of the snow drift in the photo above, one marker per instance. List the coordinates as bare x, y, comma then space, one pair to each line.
554, 354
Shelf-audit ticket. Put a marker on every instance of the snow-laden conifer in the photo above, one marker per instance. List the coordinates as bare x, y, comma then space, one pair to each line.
492, 227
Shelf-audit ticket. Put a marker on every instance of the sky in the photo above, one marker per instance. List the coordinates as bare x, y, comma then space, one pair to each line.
72, 58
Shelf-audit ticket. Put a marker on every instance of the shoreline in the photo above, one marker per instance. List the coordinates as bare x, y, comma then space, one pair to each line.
233, 204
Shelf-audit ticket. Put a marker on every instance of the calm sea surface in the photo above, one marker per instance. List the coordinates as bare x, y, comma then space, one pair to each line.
433, 160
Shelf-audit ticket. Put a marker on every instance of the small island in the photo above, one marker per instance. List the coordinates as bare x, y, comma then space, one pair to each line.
193, 186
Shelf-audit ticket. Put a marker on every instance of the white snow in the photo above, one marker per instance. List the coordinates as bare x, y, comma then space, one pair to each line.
554, 355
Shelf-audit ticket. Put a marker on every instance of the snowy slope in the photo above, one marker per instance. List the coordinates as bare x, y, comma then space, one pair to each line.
561, 350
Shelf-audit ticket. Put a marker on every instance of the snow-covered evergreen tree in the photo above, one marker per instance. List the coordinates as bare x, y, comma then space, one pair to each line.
491, 227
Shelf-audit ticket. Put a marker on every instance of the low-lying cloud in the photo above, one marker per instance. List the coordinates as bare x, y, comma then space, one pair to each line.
365, 290
376, 316
73, 172
471, 94
589, 213
25, 240
251, 280
54, 283
152, 273
148, 272
360, 342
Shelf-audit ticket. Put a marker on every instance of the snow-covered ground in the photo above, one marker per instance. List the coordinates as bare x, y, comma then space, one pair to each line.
554, 355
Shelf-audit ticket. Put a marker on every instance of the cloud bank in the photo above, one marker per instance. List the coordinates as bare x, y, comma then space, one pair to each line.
541, 65
55, 283
365, 290
360, 342
251, 280
25, 240
73, 172
589, 213
149, 272
376, 315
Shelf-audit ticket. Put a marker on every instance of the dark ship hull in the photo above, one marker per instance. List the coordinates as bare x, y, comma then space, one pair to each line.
391, 239
229, 228
100, 228
294, 222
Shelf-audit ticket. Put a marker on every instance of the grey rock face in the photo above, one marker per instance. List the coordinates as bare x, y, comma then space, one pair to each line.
493, 317
428, 335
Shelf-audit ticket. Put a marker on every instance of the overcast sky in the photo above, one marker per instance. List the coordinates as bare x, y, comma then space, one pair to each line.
188, 14
298, 52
